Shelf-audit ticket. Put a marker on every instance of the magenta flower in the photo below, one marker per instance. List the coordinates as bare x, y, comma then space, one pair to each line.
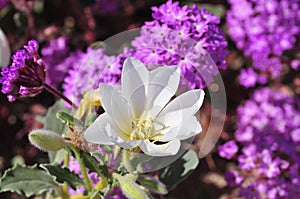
26, 76
228, 150
272, 32
183, 36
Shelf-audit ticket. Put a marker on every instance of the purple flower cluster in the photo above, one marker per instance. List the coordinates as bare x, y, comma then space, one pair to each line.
89, 69
264, 30
54, 53
26, 75
228, 150
269, 133
183, 36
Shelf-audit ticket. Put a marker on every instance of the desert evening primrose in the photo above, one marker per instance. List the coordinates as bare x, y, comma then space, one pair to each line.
138, 113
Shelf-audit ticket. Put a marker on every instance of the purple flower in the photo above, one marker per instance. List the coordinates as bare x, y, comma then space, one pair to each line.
115, 193
26, 76
233, 178
89, 69
250, 192
183, 36
248, 77
228, 150
260, 29
268, 133
54, 54
295, 64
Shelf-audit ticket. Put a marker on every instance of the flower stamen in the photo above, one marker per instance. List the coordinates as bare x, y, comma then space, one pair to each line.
143, 130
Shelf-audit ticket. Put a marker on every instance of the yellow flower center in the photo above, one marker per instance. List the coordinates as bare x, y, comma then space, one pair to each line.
143, 130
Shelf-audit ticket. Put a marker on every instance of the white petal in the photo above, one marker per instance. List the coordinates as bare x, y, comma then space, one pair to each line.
189, 127
170, 148
106, 92
134, 78
121, 112
168, 134
163, 84
182, 107
118, 140
4, 50
116, 106
97, 133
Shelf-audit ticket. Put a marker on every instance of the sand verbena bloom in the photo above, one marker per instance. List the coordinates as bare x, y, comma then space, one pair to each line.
140, 113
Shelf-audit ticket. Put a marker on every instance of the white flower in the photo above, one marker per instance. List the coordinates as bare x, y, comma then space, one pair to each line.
4, 50
138, 114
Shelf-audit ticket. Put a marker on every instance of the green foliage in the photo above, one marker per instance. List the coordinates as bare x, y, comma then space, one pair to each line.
70, 120
130, 189
179, 170
27, 181
94, 165
52, 123
152, 184
62, 175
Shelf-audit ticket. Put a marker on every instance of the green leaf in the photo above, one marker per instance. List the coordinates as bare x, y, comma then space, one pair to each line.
93, 164
52, 123
27, 181
64, 175
126, 160
70, 120
179, 170
131, 176
152, 184
130, 189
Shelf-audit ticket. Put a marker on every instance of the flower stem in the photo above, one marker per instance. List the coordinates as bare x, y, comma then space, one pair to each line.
66, 164
60, 95
83, 169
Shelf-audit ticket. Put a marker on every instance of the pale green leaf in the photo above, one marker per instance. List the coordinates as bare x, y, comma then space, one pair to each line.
27, 181
129, 188
152, 184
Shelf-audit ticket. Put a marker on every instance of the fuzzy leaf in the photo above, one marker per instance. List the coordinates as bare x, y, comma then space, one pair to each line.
130, 189
64, 175
179, 170
27, 181
152, 184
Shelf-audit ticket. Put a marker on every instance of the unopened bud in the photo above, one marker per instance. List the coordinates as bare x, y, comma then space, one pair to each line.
46, 140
